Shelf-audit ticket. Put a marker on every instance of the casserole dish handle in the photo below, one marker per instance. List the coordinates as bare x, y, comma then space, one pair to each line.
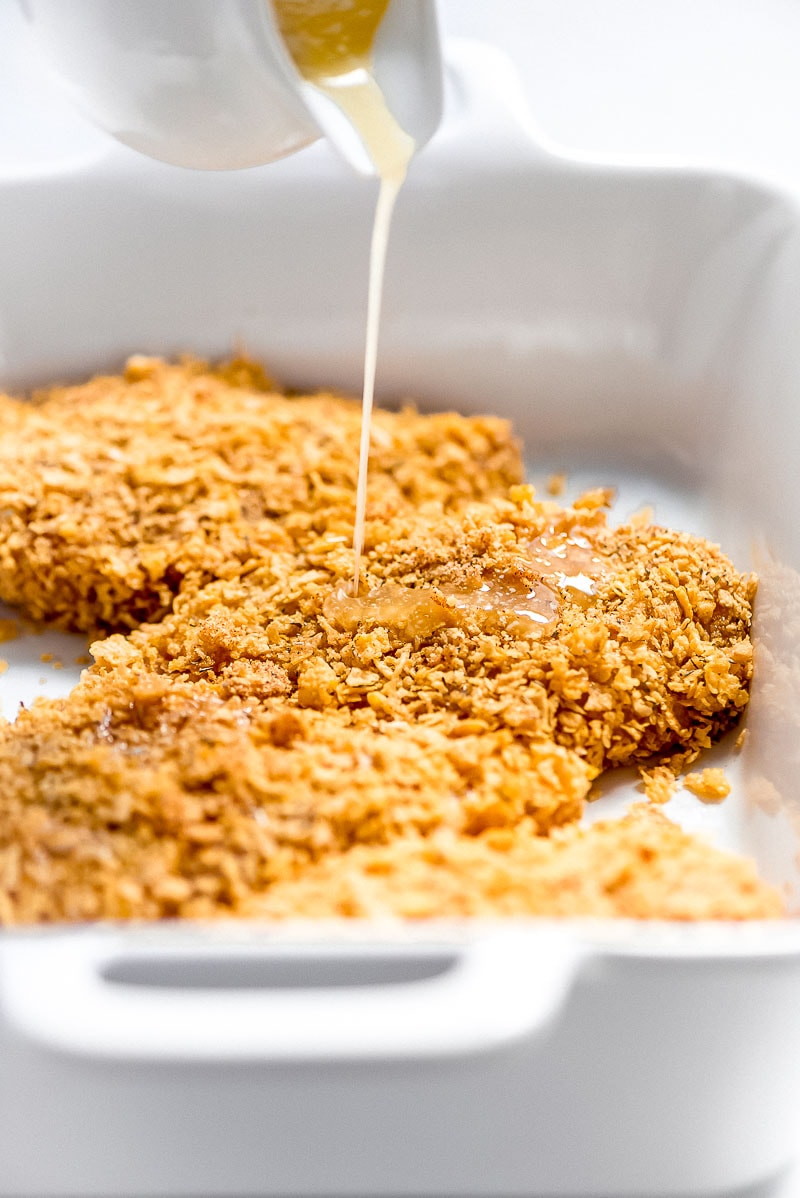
105, 996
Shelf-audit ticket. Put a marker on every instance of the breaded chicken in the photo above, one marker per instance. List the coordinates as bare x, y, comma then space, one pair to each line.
151, 797
642, 866
267, 744
272, 723
116, 493
472, 625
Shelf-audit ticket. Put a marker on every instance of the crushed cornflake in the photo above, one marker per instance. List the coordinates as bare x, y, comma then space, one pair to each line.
255, 741
117, 493
659, 784
642, 518
9, 630
616, 868
710, 785
556, 484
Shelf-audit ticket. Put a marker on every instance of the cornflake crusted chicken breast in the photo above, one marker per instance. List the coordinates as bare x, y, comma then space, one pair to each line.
117, 493
270, 746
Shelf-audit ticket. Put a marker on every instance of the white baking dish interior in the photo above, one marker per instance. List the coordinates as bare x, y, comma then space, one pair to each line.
639, 328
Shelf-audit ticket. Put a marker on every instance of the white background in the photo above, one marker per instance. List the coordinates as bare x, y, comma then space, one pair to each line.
708, 82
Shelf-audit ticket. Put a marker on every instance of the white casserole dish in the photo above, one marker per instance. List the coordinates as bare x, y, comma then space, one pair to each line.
639, 328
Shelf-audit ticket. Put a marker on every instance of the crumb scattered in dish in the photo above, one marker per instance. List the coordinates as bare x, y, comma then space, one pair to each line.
710, 785
659, 784
266, 744
556, 485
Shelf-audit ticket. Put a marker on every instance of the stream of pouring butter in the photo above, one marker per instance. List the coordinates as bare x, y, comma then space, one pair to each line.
390, 149
332, 48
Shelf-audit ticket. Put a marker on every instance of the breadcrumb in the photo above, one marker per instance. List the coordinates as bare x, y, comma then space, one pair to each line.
619, 674
640, 867
265, 744
659, 784
117, 493
165, 785
710, 785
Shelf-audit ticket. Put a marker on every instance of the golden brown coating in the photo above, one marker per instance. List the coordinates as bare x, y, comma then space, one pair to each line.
640, 867
652, 656
154, 798
271, 723
269, 745
159, 799
116, 493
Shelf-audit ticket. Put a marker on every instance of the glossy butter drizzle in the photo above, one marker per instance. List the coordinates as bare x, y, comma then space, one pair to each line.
569, 561
331, 44
566, 567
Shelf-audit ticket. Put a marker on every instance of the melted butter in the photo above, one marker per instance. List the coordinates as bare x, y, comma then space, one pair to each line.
329, 37
416, 612
570, 562
532, 603
331, 44
409, 611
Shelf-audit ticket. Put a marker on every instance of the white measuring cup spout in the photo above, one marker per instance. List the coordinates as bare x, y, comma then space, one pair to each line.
210, 84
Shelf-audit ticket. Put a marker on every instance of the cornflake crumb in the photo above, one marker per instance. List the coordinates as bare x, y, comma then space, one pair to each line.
120, 491
659, 784
9, 630
46, 658
254, 741
3, 665
741, 739
83, 659
642, 518
640, 867
710, 785
556, 484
